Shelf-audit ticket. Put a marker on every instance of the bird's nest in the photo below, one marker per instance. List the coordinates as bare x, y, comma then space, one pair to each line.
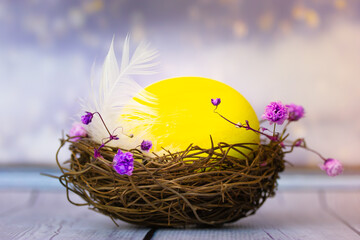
193, 187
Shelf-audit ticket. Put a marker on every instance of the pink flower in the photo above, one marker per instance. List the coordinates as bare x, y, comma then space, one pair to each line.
332, 167
295, 112
275, 112
77, 131
298, 142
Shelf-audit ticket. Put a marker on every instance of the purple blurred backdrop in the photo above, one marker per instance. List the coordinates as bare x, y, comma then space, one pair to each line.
305, 52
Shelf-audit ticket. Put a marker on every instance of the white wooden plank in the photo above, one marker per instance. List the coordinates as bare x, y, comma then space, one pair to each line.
290, 215
12, 201
344, 205
299, 215
223, 233
53, 217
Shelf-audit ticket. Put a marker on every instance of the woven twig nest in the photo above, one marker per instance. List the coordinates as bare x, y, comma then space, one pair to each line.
193, 187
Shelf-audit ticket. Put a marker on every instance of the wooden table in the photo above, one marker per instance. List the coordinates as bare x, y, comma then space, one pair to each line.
307, 206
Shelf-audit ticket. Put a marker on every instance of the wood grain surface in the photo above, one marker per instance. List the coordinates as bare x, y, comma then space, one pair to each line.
319, 212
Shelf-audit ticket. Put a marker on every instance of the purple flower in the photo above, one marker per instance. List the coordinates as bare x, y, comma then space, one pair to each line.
215, 101
332, 167
295, 112
97, 153
275, 112
146, 145
86, 119
77, 131
123, 163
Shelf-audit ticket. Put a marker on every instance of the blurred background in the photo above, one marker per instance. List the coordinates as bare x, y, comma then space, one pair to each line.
303, 52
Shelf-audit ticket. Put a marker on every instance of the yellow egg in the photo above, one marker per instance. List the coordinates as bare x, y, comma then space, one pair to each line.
183, 114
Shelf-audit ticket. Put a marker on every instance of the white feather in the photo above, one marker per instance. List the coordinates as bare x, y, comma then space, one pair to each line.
115, 91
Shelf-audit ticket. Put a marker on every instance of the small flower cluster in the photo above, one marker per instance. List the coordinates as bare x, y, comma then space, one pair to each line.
215, 101
87, 118
146, 145
123, 162
277, 113
295, 112
77, 132
332, 167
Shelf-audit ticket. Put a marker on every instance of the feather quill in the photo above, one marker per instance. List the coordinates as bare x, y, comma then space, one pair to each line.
116, 90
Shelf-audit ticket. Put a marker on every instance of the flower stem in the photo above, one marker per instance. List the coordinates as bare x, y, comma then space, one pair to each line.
313, 151
284, 130
103, 122
304, 147
227, 119
247, 127
274, 130
122, 132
